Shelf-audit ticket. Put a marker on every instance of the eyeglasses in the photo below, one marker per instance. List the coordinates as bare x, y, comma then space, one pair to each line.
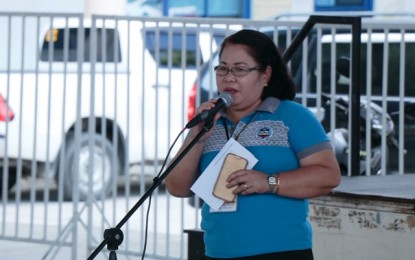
238, 71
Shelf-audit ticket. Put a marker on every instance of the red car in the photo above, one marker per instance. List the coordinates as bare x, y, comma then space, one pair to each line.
6, 115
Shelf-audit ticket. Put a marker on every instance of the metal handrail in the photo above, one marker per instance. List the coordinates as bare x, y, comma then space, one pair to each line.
356, 23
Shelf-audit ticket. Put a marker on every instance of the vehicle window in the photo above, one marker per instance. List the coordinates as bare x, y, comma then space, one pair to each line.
282, 45
54, 45
189, 39
297, 56
343, 49
176, 49
394, 63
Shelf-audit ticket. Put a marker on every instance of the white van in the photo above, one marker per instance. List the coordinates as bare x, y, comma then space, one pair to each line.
129, 94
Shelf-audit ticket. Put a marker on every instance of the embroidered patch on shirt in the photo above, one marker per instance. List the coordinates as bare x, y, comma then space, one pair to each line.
264, 132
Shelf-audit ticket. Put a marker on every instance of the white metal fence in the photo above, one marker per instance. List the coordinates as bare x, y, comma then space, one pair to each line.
93, 105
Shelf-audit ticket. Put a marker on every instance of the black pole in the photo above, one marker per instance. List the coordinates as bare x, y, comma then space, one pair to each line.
355, 98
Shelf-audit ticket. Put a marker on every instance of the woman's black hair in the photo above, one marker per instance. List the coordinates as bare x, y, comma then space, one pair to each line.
266, 53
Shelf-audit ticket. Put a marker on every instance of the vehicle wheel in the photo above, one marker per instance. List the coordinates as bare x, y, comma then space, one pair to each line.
11, 179
376, 161
103, 168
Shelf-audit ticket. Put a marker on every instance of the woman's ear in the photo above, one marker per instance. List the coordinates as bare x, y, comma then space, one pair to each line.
267, 75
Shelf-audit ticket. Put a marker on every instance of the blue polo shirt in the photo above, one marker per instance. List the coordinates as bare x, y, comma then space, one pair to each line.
279, 134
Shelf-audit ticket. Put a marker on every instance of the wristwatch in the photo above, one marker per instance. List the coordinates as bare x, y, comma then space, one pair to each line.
272, 183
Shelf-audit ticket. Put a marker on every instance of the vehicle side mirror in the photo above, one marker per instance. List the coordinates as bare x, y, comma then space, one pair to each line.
343, 66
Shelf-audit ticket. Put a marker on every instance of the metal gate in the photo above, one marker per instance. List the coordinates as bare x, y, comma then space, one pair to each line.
92, 105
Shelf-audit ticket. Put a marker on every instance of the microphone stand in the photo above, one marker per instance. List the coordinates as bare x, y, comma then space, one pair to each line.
113, 237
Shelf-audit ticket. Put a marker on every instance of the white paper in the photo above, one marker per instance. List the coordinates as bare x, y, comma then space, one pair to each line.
203, 187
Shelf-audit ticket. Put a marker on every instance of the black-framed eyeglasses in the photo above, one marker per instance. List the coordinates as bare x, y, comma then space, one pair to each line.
238, 71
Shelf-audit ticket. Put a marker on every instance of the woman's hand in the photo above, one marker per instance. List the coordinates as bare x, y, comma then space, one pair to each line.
248, 182
197, 128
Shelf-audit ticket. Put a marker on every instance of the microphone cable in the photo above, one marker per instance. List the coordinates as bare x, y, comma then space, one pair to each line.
150, 196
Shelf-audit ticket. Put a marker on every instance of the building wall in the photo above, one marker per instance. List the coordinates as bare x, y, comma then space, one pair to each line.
88, 7
42, 6
402, 6
262, 9
105, 7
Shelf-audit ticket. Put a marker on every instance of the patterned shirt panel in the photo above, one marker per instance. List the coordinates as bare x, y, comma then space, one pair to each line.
217, 140
257, 133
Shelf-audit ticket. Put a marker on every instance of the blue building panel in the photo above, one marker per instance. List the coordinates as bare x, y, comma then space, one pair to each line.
208, 8
343, 5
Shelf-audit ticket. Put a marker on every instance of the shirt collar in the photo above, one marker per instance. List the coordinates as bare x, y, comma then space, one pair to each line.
269, 104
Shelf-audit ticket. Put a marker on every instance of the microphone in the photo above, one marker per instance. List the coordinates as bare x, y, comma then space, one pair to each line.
224, 100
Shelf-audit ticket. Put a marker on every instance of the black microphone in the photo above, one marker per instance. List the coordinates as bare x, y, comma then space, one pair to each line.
224, 100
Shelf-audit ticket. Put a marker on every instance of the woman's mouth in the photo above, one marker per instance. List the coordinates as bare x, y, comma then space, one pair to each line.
230, 91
